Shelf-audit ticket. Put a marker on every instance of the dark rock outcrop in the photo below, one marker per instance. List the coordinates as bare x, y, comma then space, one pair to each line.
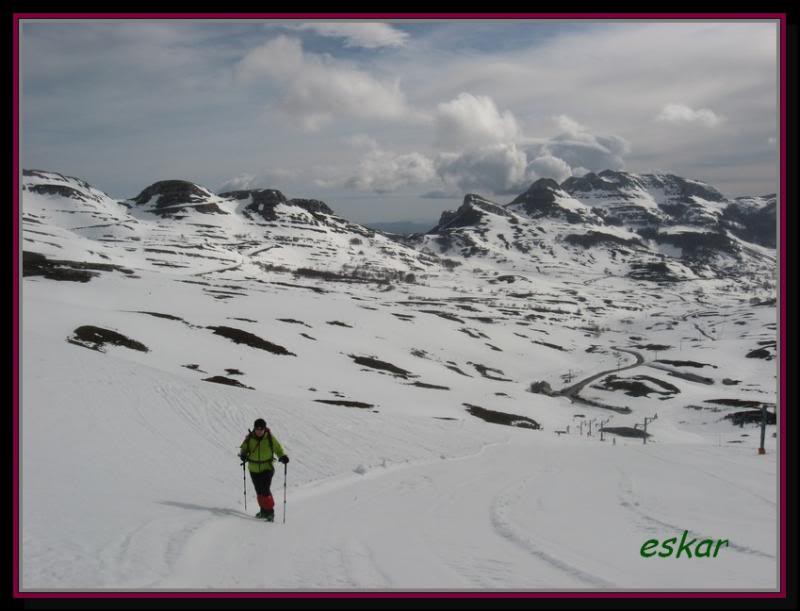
541, 200
753, 223
312, 205
263, 202
171, 193
700, 245
470, 214
593, 238
96, 338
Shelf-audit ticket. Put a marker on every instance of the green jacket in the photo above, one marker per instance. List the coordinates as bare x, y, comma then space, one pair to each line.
261, 452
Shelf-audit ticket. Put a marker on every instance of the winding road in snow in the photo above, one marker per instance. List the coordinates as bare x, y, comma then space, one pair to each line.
573, 390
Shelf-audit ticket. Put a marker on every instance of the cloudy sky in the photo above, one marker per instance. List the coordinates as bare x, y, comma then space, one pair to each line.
398, 120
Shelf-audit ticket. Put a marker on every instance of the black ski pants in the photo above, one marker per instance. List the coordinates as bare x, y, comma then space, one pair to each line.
262, 481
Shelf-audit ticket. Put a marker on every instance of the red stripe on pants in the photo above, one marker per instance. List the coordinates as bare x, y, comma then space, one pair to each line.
266, 501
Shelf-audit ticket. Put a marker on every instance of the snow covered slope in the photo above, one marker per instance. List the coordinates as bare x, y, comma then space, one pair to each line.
460, 413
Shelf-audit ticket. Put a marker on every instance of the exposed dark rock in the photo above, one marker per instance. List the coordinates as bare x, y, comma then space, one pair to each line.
470, 214
37, 264
62, 190
374, 363
541, 388
700, 244
676, 197
496, 417
227, 381
312, 205
433, 386
691, 377
96, 338
357, 404
739, 402
57, 177
458, 371
761, 353
243, 337
294, 322
171, 193
594, 182
654, 271
483, 370
554, 346
750, 417
593, 238
263, 202
654, 347
634, 387
540, 200
757, 224
625, 431
685, 363
160, 315
445, 315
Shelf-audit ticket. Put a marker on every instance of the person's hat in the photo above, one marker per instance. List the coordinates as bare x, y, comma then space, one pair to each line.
260, 422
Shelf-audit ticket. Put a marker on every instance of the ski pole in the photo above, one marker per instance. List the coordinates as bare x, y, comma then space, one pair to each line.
284, 493
244, 481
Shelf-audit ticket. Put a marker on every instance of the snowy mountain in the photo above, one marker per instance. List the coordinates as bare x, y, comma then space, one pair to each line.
753, 219
658, 227
177, 224
464, 409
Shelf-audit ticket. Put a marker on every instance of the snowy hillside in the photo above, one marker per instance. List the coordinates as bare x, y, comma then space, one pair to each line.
463, 409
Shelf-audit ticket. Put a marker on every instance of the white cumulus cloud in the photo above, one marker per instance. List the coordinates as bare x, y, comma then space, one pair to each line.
314, 89
384, 171
683, 114
498, 168
547, 166
578, 147
471, 121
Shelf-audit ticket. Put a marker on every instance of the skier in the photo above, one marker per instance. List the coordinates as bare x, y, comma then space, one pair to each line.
259, 448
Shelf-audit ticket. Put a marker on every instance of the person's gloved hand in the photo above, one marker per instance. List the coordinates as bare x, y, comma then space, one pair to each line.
243, 458
284, 459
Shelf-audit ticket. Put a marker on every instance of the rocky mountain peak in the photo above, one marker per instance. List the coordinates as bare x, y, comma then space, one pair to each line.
545, 197
471, 213
172, 192
311, 205
54, 183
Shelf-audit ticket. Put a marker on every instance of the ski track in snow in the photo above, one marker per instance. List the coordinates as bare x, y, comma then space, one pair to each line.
361, 553
350, 554
627, 501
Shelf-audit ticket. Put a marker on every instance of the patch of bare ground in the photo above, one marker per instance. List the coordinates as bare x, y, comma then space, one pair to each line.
357, 404
36, 264
433, 386
243, 337
95, 338
503, 418
227, 381
373, 363
484, 371
625, 431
